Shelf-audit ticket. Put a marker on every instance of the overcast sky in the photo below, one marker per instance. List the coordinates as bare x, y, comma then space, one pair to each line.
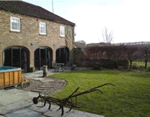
128, 19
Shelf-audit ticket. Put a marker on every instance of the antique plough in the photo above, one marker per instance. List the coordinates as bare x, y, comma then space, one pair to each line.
66, 101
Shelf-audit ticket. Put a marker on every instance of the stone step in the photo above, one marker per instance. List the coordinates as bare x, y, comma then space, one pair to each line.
42, 88
37, 90
46, 87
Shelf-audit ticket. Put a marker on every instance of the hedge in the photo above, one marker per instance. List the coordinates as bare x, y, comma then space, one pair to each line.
109, 64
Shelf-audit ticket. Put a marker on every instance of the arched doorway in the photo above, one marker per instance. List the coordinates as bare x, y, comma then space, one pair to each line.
62, 55
43, 56
16, 56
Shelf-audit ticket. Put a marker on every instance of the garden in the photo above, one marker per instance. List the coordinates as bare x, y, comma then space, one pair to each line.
129, 97
125, 66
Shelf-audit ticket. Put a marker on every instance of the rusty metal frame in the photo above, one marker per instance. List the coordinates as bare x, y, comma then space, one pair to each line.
67, 101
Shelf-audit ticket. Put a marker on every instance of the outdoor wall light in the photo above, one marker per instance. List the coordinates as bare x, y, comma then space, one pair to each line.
31, 44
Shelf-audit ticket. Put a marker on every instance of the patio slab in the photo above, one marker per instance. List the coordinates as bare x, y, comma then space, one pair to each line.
27, 109
18, 103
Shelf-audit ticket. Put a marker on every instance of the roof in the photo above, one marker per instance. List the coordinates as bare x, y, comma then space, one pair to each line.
25, 8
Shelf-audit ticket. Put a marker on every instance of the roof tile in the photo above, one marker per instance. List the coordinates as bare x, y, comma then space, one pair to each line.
25, 8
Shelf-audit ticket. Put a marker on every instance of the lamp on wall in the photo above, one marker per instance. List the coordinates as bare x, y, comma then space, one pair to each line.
31, 44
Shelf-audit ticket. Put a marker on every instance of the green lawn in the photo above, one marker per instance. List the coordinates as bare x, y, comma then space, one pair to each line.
129, 98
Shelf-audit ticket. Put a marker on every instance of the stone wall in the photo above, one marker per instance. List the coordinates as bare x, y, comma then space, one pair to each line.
29, 36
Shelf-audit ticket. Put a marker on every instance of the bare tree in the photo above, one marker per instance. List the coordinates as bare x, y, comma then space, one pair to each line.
131, 55
113, 52
107, 35
106, 52
146, 52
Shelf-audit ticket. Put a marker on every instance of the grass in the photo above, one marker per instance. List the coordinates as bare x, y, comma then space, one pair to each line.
129, 98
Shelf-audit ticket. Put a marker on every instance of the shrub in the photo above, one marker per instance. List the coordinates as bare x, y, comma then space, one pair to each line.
120, 68
134, 66
78, 57
109, 64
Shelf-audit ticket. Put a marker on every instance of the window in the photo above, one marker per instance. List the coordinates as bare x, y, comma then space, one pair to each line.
15, 24
42, 28
62, 31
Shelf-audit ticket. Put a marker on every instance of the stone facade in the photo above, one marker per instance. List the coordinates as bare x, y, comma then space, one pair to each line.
29, 36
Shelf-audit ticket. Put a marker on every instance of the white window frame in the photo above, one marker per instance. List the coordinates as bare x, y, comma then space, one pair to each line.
11, 24
62, 28
41, 33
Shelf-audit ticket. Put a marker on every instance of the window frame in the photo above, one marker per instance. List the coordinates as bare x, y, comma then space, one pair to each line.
11, 24
62, 27
40, 28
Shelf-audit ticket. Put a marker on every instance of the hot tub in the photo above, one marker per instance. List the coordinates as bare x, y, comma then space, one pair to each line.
10, 76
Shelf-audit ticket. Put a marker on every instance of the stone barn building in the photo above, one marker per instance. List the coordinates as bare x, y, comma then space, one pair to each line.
31, 36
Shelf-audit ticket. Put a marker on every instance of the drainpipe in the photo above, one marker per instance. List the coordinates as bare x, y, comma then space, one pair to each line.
12, 56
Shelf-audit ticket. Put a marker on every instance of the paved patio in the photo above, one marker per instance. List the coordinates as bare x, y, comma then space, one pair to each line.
18, 103
25, 108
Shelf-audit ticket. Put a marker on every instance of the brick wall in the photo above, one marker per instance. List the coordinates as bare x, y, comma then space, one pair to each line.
30, 34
